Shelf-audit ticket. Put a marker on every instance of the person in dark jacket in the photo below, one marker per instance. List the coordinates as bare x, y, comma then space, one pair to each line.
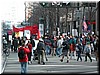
41, 51
24, 61
30, 53
33, 45
78, 51
15, 44
65, 50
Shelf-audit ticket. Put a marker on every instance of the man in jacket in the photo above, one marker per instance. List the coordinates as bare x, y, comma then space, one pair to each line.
24, 61
41, 51
87, 51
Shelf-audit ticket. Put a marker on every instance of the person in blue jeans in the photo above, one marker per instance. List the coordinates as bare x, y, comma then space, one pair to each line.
59, 46
24, 61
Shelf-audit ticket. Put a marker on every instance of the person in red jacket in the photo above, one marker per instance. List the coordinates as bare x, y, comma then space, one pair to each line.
30, 53
24, 61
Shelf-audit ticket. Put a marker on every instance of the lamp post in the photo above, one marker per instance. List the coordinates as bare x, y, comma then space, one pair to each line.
25, 11
57, 17
78, 19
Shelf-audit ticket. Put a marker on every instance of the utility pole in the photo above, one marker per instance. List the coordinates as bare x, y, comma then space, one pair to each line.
66, 19
25, 11
57, 20
78, 19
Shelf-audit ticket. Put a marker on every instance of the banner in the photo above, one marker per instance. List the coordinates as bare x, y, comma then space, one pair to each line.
20, 34
84, 24
33, 29
41, 29
27, 34
16, 34
17, 29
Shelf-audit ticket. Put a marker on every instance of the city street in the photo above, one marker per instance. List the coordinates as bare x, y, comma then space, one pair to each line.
56, 27
53, 65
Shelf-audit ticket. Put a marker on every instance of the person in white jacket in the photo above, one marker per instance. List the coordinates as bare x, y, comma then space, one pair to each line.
59, 46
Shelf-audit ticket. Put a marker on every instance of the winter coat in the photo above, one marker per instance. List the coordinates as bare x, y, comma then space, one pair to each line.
30, 47
40, 46
26, 52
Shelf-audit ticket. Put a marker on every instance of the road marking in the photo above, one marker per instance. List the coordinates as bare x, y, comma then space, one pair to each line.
66, 65
90, 72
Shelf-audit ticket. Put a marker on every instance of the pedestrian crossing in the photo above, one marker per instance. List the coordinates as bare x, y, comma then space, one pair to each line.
53, 65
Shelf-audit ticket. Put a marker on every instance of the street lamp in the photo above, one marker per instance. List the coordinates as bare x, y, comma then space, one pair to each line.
56, 4
25, 11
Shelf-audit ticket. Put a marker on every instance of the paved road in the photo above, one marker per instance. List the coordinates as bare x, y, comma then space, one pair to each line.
53, 65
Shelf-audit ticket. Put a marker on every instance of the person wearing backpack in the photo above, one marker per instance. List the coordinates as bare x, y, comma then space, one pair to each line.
41, 51
23, 58
87, 51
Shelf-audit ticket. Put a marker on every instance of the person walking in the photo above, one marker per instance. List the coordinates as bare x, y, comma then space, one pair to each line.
78, 51
54, 46
65, 50
41, 51
24, 61
72, 47
30, 53
87, 51
15, 44
59, 46
33, 45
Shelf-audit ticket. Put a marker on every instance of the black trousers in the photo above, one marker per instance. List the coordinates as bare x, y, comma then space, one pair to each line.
15, 48
87, 54
29, 56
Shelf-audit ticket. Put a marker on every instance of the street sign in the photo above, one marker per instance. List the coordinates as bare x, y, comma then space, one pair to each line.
41, 29
74, 32
78, 14
69, 17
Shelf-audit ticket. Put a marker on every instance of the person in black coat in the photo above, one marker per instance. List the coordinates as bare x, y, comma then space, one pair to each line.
41, 51
65, 50
78, 51
15, 44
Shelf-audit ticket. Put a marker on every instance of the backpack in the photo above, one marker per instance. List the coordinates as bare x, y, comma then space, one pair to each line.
73, 41
78, 47
21, 54
87, 50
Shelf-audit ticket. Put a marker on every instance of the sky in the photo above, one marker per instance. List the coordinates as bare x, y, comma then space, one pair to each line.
15, 9
12, 10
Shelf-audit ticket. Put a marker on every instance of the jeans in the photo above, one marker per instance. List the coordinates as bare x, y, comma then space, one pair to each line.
24, 67
73, 53
59, 51
79, 55
47, 50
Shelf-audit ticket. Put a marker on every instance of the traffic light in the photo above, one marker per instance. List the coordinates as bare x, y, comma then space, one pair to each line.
65, 4
44, 4
41, 20
89, 4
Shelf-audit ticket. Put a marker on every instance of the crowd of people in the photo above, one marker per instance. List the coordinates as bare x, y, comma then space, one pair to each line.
71, 47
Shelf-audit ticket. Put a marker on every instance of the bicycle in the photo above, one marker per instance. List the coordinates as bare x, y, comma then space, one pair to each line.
6, 50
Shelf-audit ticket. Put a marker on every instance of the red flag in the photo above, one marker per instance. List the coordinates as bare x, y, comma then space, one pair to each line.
85, 25
38, 34
17, 29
